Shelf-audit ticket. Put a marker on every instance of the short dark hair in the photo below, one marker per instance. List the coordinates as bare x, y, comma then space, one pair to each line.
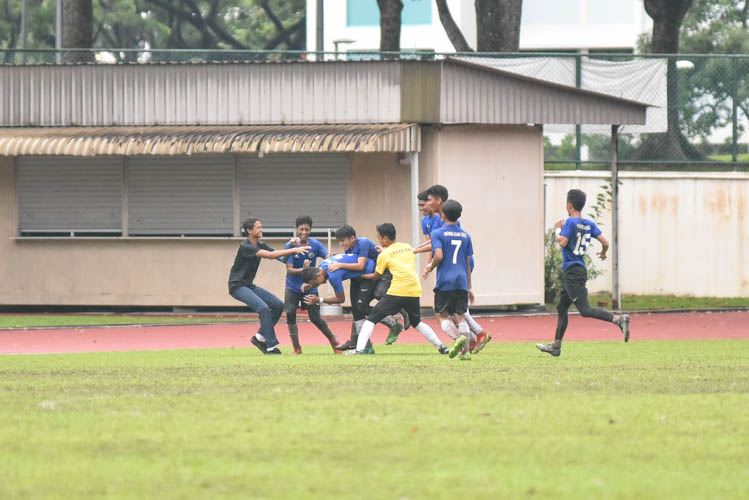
345, 231
304, 219
248, 224
387, 230
452, 210
422, 196
310, 274
576, 198
438, 191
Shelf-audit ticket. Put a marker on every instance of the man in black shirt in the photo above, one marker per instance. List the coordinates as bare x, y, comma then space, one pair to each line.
259, 300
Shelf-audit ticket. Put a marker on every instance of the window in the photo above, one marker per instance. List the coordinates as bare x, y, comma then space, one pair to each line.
179, 196
366, 13
59, 196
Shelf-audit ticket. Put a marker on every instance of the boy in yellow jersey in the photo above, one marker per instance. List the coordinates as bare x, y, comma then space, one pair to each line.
404, 291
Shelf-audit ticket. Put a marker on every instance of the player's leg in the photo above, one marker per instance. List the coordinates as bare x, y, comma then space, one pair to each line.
380, 290
458, 307
290, 304
265, 339
366, 326
412, 307
275, 306
576, 278
354, 286
481, 336
441, 303
562, 320
322, 325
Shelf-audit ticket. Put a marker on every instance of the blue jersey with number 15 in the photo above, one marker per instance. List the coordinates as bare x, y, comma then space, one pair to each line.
578, 232
452, 273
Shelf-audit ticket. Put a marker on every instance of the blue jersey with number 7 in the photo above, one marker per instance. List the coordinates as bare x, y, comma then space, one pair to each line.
452, 273
578, 232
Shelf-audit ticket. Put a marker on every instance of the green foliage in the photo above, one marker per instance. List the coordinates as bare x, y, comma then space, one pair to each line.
162, 24
668, 302
707, 90
605, 420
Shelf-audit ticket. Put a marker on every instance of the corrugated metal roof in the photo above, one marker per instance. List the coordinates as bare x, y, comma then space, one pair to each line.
87, 141
448, 91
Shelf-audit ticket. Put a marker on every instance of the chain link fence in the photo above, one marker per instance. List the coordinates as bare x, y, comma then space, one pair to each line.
698, 119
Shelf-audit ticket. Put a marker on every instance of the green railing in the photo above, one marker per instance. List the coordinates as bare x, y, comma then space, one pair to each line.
699, 118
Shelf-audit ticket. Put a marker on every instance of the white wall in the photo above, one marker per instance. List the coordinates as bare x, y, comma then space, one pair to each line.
681, 233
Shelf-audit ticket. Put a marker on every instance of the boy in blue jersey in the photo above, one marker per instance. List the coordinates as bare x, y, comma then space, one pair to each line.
362, 291
313, 277
574, 235
295, 264
434, 219
452, 252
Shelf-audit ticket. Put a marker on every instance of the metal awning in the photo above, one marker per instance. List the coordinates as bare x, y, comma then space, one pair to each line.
174, 140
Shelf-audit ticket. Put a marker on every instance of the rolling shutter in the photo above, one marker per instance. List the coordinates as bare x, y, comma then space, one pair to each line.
185, 195
279, 187
69, 194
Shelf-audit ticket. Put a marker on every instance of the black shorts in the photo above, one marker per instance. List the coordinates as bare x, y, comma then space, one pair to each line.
451, 301
573, 282
391, 304
293, 299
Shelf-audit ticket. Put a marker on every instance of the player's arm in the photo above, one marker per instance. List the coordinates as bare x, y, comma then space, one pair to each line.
562, 240
359, 265
338, 298
470, 283
274, 254
425, 246
436, 259
604, 246
374, 275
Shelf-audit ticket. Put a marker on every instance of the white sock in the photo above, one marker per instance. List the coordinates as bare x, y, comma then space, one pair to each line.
449, 328
429, 334
260, 337
463, 329
475, 327
366, 332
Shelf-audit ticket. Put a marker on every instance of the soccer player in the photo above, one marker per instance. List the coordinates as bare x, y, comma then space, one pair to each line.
313, 277
574, 236
242, 288
295, 264
434, 219
362, 290
452, 249
404, 291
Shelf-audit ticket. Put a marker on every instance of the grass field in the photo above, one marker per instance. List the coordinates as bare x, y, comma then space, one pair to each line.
669, 302
43, 320
605, 420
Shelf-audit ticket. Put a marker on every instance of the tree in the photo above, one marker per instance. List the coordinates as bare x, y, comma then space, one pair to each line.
667, 17
77, 22
715, 88
497, 24
166, 24
451, 28
390, 25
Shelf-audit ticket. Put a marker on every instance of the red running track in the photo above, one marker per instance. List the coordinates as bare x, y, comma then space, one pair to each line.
725, 325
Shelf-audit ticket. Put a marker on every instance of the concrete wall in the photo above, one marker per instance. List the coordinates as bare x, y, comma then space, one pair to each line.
169, 272
496, 172
681, 233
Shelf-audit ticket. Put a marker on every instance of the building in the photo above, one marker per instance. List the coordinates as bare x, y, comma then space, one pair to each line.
127, 184
546, 25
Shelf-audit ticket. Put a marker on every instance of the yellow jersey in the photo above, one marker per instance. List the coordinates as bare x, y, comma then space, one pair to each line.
399, 258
